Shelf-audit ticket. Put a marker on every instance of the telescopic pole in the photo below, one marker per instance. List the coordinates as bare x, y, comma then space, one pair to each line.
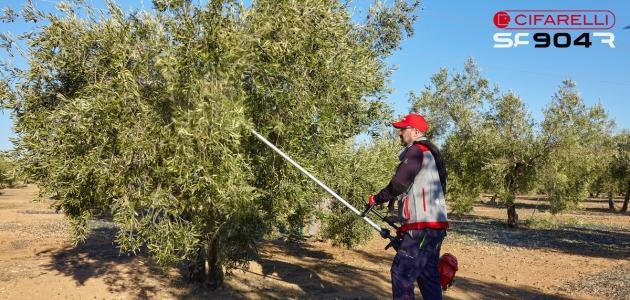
321, 184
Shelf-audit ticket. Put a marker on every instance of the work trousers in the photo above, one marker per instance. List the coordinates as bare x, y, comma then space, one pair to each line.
417, 260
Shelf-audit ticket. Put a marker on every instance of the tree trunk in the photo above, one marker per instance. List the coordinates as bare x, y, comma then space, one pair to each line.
624, 208
215, 270
211, 274
493, 200
197, 267
510, 203
611, 203
512, 215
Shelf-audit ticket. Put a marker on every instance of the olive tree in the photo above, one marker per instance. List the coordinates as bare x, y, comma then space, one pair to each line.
453, 106
365, 169
512, 154
602, 175
147, 115
7, 172
620, 166
574, 133
311, 74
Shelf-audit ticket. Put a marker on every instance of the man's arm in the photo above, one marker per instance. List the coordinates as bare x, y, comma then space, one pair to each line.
406, 172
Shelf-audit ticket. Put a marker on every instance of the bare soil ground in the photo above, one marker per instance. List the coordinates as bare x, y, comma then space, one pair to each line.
579, 255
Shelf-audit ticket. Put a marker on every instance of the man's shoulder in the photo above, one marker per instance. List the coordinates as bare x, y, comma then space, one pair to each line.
419, 148
414, 152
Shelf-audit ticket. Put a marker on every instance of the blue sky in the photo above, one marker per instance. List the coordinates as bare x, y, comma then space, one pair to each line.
449, 32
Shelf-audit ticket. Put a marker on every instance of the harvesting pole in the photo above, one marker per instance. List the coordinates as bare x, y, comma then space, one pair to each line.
383, 232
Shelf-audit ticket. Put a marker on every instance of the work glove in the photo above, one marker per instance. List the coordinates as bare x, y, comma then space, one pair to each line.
371, 201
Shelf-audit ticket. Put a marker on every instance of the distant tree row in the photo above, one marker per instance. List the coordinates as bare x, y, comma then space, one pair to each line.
493, 145
7, 173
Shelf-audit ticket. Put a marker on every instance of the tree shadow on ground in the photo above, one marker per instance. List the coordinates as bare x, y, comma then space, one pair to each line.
300, 249
384, 260
346, 281
301, 270
98, 257
298, 270
544, 206
476, 289
539, 205
299, 282
296, 266
569, 239
597, 210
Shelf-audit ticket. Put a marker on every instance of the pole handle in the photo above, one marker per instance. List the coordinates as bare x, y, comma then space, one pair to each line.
367, 210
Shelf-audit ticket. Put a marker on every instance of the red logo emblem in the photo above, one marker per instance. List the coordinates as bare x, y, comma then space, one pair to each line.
501, 19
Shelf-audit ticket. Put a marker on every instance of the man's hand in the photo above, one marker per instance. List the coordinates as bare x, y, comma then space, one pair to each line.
369, 206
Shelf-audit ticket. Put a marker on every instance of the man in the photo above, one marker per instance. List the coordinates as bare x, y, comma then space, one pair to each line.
418, 185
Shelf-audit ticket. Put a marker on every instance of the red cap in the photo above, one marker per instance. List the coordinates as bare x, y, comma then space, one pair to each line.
412, 120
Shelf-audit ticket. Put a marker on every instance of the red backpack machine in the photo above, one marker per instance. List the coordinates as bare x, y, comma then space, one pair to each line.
447, 266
